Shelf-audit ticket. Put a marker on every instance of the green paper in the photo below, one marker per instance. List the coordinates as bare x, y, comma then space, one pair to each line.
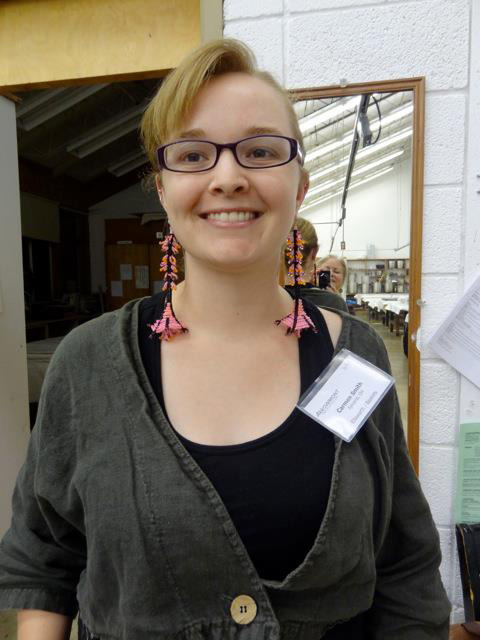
467, 499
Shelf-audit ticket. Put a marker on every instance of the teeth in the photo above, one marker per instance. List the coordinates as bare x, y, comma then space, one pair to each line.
232, 216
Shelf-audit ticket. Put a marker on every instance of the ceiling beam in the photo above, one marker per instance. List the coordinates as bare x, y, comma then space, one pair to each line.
108, 185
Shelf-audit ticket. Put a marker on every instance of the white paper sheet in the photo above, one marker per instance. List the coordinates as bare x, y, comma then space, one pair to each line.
126, 272
467, 497
457, 340
142, 277
116, 288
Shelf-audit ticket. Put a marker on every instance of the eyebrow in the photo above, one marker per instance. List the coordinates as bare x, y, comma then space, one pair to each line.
251, 131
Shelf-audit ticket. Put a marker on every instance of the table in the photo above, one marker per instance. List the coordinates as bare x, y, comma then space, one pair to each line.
393, 305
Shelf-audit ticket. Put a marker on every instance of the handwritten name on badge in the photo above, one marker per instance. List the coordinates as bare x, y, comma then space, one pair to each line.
345, 394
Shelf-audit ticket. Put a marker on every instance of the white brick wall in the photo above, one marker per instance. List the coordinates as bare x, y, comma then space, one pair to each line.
318, 42
442, 229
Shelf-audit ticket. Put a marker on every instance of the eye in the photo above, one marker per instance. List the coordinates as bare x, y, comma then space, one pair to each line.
192, 157
183, 155
261, 152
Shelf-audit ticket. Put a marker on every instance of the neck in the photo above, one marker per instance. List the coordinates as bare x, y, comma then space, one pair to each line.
229, 304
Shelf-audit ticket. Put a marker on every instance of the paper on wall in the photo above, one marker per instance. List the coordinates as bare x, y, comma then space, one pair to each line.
467, 497
116, 289
126, 272
457, 340
142, 277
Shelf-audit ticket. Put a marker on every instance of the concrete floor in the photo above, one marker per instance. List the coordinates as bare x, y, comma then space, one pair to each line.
399, 362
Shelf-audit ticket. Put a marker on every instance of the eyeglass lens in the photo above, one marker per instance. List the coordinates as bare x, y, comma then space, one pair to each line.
198, 155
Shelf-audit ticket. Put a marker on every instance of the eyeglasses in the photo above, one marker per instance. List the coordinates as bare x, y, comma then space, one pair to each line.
256, 152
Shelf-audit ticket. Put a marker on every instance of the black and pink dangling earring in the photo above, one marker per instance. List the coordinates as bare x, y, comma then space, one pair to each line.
168, 325
298, 320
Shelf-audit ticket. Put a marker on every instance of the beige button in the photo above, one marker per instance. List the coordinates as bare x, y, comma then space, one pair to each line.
243, 609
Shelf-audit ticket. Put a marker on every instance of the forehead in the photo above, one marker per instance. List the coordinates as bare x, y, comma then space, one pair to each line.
332, 262
234, 103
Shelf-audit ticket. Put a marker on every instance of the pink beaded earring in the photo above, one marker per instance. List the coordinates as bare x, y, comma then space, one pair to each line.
298, 320
168, 325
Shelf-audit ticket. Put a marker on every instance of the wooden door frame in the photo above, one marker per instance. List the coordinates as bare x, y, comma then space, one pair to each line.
417, 86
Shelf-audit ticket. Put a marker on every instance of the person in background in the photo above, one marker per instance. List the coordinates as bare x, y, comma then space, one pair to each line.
323, 297
338, 271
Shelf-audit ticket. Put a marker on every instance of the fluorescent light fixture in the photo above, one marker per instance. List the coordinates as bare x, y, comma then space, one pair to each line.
107, 138
386, 142
128, 166
332, 167
361, 170
60, 103
340, 191
393, 116
327, 113
126, 159
336, 144
107, 132
33, 103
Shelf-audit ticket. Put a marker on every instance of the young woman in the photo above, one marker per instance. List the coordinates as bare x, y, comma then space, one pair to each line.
172, 489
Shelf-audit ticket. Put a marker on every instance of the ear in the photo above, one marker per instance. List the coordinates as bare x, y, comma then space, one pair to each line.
302, 190
161, 195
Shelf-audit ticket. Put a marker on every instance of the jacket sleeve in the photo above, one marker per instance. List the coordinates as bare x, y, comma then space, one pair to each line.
410, 602
44, 551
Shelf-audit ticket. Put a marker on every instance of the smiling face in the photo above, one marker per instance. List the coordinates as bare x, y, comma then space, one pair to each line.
230, 216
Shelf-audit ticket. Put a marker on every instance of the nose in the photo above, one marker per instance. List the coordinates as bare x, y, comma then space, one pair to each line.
227, 176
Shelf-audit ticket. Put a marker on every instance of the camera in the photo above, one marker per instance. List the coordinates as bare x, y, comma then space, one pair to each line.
323, 279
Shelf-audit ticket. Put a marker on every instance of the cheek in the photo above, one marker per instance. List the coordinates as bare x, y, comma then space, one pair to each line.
180, 195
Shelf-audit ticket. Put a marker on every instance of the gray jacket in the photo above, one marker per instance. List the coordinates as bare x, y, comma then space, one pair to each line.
110, 511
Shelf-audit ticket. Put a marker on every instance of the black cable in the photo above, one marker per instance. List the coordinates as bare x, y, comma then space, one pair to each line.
339, 224
379, 119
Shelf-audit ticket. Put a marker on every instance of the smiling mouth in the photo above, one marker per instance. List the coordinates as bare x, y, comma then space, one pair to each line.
231, 216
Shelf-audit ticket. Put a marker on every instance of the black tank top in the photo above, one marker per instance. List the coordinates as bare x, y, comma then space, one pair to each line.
273, 481
276, 487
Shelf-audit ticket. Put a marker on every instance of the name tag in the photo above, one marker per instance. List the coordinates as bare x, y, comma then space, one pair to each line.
345, 394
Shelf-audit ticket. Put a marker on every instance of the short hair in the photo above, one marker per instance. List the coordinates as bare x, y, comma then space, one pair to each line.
334, 257
174, 100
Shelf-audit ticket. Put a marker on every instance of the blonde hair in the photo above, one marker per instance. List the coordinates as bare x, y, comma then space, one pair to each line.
309, 237
174, 100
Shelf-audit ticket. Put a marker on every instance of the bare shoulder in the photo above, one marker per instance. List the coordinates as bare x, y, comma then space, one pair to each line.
334, 324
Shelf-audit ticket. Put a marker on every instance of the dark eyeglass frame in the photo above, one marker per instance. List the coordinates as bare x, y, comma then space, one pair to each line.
295, 151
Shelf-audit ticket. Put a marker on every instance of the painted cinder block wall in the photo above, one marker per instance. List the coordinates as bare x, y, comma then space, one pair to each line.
308, 43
